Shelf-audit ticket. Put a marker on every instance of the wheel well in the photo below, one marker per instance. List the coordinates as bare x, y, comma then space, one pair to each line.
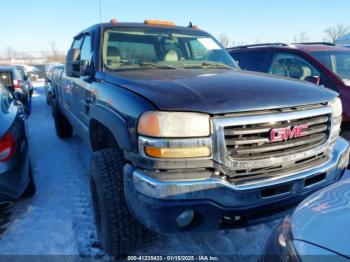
101, 137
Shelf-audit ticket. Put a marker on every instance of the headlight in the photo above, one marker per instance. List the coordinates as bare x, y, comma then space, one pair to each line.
337, 111
337, 107
280, 246
174, 135
174, 124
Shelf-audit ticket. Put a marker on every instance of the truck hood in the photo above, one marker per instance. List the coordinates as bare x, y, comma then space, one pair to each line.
323, 219
217, 91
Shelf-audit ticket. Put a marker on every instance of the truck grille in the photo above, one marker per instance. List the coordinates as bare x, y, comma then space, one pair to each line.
252, 141
254, 175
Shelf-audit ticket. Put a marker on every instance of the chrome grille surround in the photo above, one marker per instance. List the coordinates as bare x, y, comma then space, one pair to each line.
242, 168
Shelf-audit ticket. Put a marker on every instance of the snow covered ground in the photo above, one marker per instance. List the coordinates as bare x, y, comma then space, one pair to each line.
58, 220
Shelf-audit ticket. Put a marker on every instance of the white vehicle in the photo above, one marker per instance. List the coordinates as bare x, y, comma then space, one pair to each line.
344, 41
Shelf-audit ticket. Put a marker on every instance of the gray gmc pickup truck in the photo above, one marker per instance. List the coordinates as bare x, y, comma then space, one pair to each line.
183, 140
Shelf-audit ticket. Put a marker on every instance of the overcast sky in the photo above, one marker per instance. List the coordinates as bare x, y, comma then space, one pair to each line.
30, 25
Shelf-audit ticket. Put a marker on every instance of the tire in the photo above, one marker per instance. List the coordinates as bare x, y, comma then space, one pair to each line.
28, 106
118, 231
31, 188
62, 126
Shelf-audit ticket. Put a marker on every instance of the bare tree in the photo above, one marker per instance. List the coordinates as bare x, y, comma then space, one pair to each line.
53, 55
10, 53
301, 37
236, 43
336, 32
224, 40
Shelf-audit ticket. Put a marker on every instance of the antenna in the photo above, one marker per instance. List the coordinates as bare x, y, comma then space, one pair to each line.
99, 7
100, 59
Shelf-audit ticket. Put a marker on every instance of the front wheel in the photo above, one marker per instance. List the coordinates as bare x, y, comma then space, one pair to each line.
119, 232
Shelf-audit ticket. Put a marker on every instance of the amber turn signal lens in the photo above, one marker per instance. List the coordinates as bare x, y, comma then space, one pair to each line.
185, 152
159, 22
149, 125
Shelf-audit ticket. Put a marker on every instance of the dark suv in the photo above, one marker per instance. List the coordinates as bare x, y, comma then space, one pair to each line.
320, 63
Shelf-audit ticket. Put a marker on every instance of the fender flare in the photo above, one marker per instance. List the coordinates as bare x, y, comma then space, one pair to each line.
114, 122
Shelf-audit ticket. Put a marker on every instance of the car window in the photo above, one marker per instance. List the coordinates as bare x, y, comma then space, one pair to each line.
17, 74
86, 49
292, 65
56, 76
336, 61
170, 48
5, 100
77, 42
6, 78
252, 61
21, 71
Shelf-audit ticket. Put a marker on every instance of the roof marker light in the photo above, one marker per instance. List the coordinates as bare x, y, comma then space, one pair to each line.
159, 22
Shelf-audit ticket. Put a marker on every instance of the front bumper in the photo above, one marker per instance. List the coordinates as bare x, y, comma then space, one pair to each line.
217, 203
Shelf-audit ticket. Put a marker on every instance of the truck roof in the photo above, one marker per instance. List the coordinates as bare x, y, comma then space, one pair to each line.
139, 25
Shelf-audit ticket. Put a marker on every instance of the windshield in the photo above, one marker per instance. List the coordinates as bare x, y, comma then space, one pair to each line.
338, 62
162, 48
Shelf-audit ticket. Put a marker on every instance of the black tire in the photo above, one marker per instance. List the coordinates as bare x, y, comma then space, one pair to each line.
63, 128
31, 188
28, 106
118, 231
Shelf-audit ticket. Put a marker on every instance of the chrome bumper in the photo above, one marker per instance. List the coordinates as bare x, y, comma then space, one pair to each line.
227, 194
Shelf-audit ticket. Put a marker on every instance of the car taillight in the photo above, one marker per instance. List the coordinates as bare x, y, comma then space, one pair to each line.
7, 147
17, 84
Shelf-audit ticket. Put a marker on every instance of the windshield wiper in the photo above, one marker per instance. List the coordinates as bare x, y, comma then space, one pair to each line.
208, 65
216, 65
155, 65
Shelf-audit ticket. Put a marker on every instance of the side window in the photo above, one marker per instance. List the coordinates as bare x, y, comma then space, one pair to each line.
5, 102
57, 73
18, 75
77, 42
291, 65
252, 61
86, 49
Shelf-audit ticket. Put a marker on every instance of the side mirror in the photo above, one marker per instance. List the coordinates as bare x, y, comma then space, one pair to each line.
72, 62
25, 78
84, 67
313, 79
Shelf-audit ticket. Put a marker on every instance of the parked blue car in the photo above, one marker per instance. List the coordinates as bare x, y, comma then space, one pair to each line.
16, 179
319, 228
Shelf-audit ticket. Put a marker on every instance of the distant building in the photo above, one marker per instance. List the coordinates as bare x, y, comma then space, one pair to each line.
344, 41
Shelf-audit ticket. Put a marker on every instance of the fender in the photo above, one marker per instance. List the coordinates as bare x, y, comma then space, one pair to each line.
114, 122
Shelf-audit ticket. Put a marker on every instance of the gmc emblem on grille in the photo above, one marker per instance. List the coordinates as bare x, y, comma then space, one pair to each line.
286, 133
